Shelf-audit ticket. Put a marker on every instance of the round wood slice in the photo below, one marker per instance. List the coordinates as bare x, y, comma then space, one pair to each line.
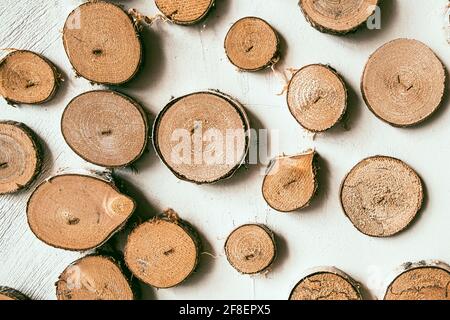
421, 282
105, 128
290, 182
403, 82
184, 12
162, 252
251, 248
326, 284
26, 77
317, 97
188, 131
381, 196
337, 17
7, 293
102, 43
93, 278
252, 44
20, 158
77, 212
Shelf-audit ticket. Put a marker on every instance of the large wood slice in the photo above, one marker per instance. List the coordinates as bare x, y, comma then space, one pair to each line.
77, 212
105, 128
337, 17
20, 158
27, 77
94, 277
7, 293
102, 43
184, 12
403, 82
252, 44
202, 137
381, 196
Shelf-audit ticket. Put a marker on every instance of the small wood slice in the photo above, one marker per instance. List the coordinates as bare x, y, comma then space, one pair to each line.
20, 158
7, 293
252, 44
163, 252
251, 248
102, 43
337, 17
421, 282
326, 284
93, 278
381, 196
317, 97
403, 82
26, 77
290, 182
105, 128
184, 12
77, 212
202, 137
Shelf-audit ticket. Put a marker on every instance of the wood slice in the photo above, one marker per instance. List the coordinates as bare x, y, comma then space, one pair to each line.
7, 293
337, 17
163, 252
381, 196
184, 12
93, 278
317, 97
106, 128
403, 82
252, 44
202, 137
290, 182
20, 157
26, 77
326, 283
77, 212
102, 43
251, 248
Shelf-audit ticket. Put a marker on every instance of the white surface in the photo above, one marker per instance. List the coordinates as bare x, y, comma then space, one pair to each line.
185, 59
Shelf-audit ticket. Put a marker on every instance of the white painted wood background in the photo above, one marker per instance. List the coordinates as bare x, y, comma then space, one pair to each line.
180, 60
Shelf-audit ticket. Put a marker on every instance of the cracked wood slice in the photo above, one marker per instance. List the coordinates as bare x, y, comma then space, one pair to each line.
337, 17
20, 157
163, 252
184, 12
290, 182
252, 44
326, 283
27, 77
94, 277
381, 196
105, 128
102, 43
77, 212
202, 137
317, 97
403, 82
7, 293
251, 248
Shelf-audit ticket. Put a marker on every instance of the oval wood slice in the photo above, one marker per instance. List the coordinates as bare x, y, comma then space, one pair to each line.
77, 212
326, 284
202, 137
252, 44
317, 97
381, 196
163, 252
7, 293
26, 77
403, 82
337, 17
20, 158
105, 128
290, 182
93, 278
251, 248
184, 12
102, 43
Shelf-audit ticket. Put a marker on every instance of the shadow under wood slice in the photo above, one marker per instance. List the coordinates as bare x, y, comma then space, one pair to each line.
185, 12
7, 293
